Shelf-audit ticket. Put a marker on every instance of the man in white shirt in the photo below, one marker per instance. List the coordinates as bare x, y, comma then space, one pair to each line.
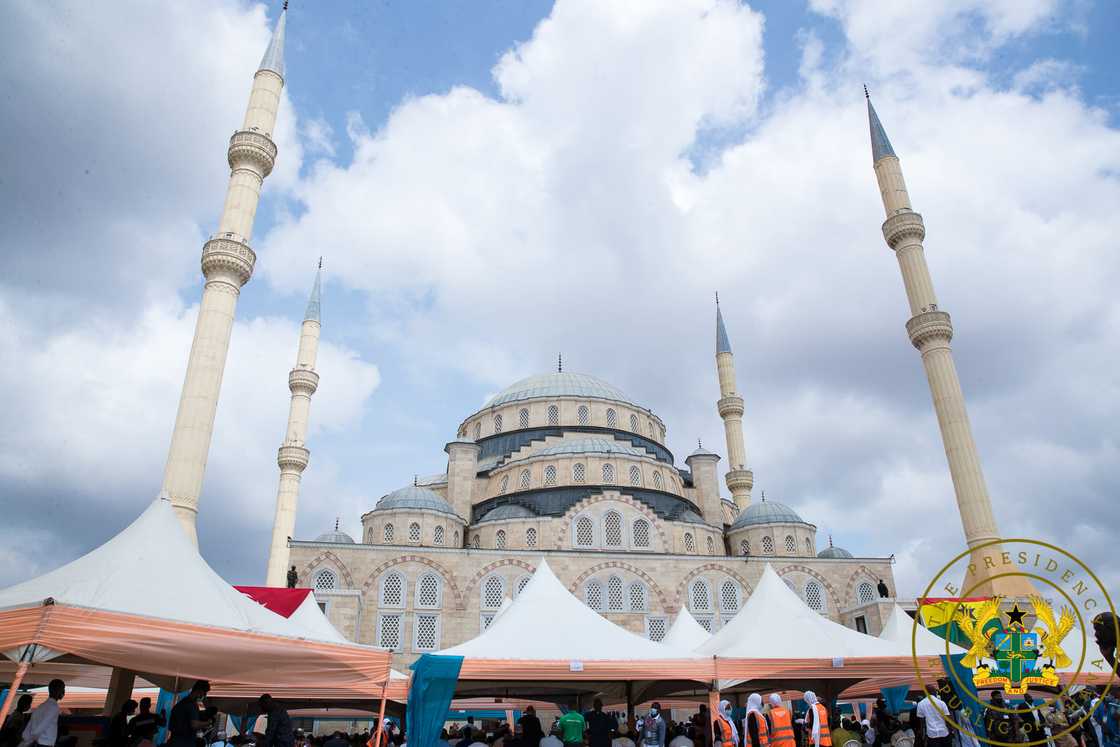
932, 711
42, 728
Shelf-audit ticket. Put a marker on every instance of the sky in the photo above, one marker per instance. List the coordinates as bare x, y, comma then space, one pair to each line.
493, 183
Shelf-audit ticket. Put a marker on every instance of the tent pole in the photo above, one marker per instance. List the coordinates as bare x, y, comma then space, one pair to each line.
630, 721
713, 708
21, 670
381, 714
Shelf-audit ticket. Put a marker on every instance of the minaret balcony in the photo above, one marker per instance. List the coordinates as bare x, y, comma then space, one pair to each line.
740, 479
227, 254
303, 381
293, 457
248, 148
929, 326
902, 226
732, 405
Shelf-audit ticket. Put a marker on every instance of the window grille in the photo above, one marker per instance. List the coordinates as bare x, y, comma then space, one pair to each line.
729, 597
814, 596
392, 591
744, 547
521, 584
711, 546
641, 533
865, 593
658, 484
530, 537
493, 589
414, 532
523, 418
585, 532
326, 580
498, 423
706, 623
428, 592
388, 533
525, 479
594, 595
484, 621
612, 529
389, 632
634, 423
553, 415
437, 536
612, 418
500, 539
689, 543
550, 476
608, 474
583, 415
637, 597
767, 545
791, 545
656, 628
635, 475
615, 600
701, 598
426, 637
579, 472
504, 486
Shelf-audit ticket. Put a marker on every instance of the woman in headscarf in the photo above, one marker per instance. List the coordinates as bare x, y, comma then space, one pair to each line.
725, 725
816, 722
756, 732
781, 723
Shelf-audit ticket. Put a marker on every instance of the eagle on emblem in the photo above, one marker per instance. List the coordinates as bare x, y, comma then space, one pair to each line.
1056, 630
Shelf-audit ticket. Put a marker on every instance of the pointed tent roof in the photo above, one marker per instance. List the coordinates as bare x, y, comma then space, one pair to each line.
274, 56
685, 632
880, 145
775, 623
312, 312
723, 345
546, 622
899, 630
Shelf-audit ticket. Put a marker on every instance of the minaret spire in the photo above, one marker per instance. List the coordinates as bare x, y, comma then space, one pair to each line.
227, 264
293, 455
740, 480
930, 330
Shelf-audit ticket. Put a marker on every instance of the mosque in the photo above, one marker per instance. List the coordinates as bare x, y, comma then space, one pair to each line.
559, 465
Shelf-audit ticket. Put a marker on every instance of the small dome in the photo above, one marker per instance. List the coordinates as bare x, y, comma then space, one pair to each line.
508, 511
702, 452
591, 446
414, 497
834, 552
691, 517
767, 512
337, 536
559, 385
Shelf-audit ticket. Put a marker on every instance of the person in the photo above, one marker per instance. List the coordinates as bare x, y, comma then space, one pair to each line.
965, 731
844, 733
599, 725
42, 724
145, 734
680, 737
701, 726
553, 738
653, 728
869, 735
572, 726
531, 732
756, 729
725, 735
997, 721
187, 717
293, 577
781, 723
337, 739
1058, 722
466, 733
118, 734
279, 731
12, 731
143, 718
816, 721
932, 711
884, 592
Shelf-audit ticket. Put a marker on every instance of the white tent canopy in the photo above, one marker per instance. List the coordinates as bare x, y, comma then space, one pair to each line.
899, 630
685, 633
310, 617
546, 622
151, 569
775, 623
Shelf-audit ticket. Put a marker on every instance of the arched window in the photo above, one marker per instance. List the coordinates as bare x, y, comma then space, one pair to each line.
744, 547
474, 542
504, 486
767, 546
530, 537
635, 475
369, 536
637, 594
498, 423
325, 580
814, 596
477, 430
525, 479
658, 483
437, 536
662, 434
711, 545
791, 545
500, 539
523, 418
634, 423
550, 476
729, 596
392, 590
585, 532
612, 529
790, 585
493, 589
612, 418
608, 474
520, 586
579, 472
700, 596
429, 592
583, 415
388, 533
641, 533
650, 428
456, 538
865, 593
553, 415
593, 593
414, 532
689, 543
616, 601
808, 547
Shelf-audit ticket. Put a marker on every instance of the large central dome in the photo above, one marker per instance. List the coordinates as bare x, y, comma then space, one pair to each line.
559, 385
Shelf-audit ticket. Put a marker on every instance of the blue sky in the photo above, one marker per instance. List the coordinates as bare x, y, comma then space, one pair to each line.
491, 183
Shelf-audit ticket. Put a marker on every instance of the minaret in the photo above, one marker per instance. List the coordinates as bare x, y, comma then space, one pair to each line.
740, 480
227, 264
293, 454
930, 330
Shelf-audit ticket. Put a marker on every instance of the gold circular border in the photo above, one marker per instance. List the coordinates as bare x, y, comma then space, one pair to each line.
1075, 559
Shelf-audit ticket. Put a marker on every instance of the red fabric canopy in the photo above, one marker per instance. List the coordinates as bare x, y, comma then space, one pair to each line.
281, 601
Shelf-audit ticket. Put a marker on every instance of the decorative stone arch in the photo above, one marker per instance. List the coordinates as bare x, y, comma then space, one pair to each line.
325, 557
489, 568
817, 577
370, 584
863, 573
647, 513
682, 587
652, 585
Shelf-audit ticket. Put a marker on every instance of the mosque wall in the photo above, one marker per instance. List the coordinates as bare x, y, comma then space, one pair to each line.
556, 411
420, 599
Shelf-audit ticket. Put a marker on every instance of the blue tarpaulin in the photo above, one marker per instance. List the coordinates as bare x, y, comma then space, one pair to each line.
895, 698
164, 703
433, 684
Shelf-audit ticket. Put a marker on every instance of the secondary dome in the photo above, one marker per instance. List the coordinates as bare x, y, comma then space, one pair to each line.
335, 535
591, 446
414, 497
834, 552
559, 385
767, 512
508, 511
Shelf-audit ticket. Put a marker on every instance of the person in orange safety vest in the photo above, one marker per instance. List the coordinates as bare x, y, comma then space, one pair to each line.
816, 722
781, 723
756, 732
726, 733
